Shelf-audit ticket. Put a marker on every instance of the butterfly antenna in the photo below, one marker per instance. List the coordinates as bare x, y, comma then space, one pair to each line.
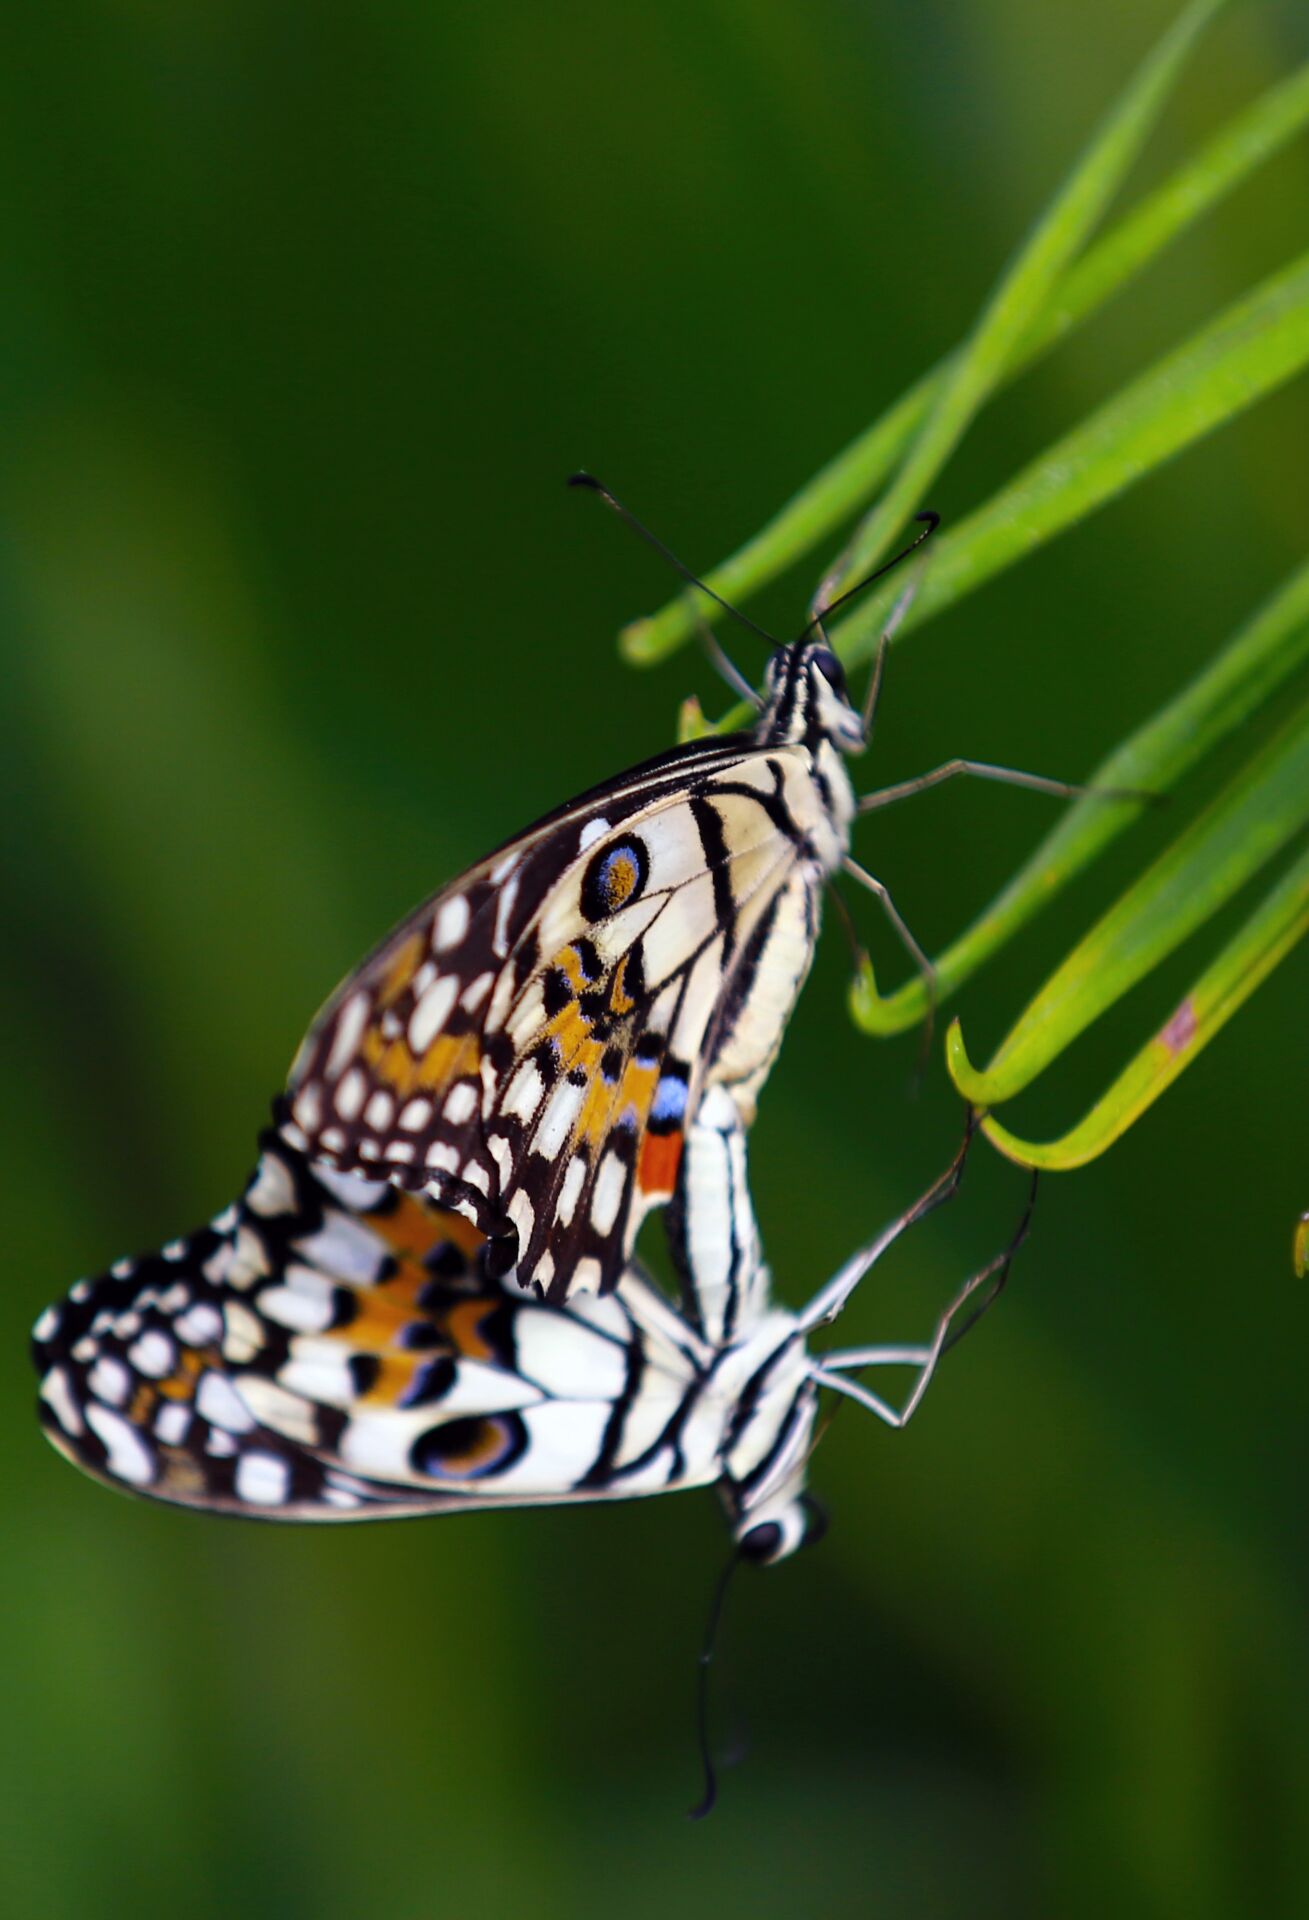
639, 526
929, 522
709, 1797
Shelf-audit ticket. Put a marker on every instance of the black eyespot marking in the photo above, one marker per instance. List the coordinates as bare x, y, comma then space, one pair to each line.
611, 1064
469, 1448
829, 666
615, 876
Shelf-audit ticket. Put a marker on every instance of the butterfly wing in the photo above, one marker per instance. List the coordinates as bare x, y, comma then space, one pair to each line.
528, 1046
331, 1348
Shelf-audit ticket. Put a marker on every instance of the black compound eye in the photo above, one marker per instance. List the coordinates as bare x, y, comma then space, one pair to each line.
829, 666
761, 1543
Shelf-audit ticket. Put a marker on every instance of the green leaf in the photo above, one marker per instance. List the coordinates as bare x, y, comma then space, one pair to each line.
1243, 675
1024, 290
846, 482
1253, 819
1252, 348
1265, 940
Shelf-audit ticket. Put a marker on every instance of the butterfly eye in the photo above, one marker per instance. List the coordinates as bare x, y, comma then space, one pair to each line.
763, 1543
799, 1524
830, 667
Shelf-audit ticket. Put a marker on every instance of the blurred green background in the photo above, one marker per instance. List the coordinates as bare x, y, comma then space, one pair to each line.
306, 314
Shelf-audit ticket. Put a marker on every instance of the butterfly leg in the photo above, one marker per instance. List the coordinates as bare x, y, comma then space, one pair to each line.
979, 1292
826, 1304
1005, 776
925, 968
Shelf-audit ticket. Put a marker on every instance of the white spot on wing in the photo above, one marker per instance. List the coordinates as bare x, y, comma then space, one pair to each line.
476, 992
502, 1154
380, 1110
523, 1215
59, 1398
443, 1157
200, 1325
571, 1190
47, 1325
432, 1011
593, 830
451, 923
414, 1115
610, 1183
264, 1479
152, 1354
350, 1094
171, 1423
271, 1190
503, 911
350, 1024
525, 1091
129, 1457
218, 1402
556, 1128
460, 1103
110, 1380
351, 1189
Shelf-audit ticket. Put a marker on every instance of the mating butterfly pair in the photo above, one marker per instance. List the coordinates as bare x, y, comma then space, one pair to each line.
427, 1300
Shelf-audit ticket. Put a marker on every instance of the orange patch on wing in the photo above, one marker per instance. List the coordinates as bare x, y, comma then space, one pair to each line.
661, 1155
416, 1229
181, 1385
451, 1057
596, 1117
620, 1001
463, 1326
401, 970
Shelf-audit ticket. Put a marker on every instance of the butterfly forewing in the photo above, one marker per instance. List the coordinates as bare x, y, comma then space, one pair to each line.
528, 1046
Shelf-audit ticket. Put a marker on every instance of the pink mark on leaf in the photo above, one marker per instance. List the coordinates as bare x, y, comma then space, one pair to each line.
1181, 1029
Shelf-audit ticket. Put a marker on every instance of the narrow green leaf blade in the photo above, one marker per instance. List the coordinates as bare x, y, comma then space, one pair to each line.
1263, 808
1244, 963
1255, 346
1024, 290
1258, 659
852, 476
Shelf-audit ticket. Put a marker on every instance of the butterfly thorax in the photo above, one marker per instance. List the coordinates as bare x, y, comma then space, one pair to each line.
807, 707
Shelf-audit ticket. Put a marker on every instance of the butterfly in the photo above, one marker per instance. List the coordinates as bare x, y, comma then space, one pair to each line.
529, 1046
334, 1348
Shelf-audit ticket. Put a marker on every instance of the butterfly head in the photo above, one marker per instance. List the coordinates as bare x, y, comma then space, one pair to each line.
807, 702
767, 1535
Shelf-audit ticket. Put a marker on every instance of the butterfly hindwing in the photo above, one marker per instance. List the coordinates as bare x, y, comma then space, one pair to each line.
528, 1046
332, 1348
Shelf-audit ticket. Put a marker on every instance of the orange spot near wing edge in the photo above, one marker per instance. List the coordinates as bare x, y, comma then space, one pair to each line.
661, 1155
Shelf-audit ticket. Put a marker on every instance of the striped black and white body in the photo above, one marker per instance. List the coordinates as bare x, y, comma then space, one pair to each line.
333, 1349
531, 1045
